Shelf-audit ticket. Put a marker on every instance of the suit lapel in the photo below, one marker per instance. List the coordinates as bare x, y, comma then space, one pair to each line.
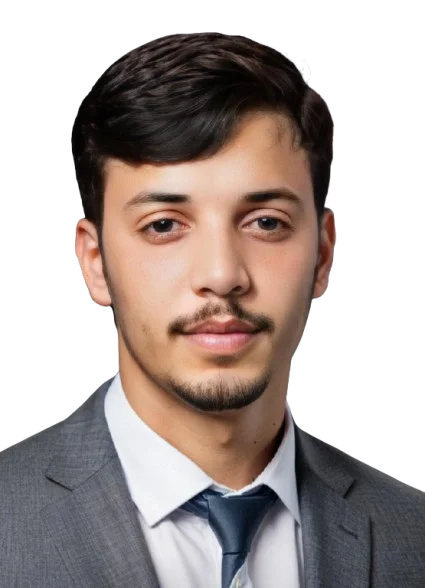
95, 526
96, 531
336, 534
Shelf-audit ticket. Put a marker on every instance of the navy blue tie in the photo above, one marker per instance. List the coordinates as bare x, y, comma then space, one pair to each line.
234, 520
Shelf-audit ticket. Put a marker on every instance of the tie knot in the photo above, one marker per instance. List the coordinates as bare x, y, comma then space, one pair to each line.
234, 520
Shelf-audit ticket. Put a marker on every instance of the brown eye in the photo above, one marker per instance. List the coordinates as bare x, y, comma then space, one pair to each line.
161, 229
161, 225
268, 222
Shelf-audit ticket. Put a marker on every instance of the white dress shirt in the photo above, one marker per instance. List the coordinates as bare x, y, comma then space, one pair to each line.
184, 549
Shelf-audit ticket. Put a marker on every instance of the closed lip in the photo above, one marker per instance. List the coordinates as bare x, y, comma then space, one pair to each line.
232, 326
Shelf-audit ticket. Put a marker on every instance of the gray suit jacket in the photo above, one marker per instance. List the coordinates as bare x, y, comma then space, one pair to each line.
67, 519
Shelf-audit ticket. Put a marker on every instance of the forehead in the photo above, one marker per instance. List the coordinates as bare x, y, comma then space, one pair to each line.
261, 155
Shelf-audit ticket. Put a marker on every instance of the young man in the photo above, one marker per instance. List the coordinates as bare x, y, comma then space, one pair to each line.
203, 162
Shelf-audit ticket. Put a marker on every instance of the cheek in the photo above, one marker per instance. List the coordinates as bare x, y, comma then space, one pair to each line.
285, 271
151, 284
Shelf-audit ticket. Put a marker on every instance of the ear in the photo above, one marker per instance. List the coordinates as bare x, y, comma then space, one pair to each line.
90, 259
327, 239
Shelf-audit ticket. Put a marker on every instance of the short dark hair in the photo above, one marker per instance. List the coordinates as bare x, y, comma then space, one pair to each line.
180, 97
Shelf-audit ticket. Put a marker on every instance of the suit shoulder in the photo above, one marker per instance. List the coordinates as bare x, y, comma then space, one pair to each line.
371, 486
22, 470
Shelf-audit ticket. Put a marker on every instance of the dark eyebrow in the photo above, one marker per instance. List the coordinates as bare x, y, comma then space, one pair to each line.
251, 197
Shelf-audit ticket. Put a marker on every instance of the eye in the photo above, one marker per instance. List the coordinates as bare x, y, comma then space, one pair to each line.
160, 229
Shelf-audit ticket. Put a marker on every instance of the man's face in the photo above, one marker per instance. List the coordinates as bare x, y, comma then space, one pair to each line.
214, 257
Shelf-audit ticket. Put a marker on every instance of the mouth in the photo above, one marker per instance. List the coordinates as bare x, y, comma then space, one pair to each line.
222, 342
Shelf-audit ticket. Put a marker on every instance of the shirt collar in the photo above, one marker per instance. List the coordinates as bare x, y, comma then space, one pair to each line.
152, 465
